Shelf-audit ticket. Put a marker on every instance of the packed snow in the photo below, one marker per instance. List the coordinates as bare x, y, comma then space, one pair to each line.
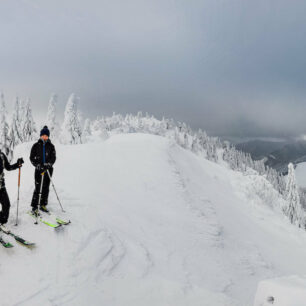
152, 224
283, 291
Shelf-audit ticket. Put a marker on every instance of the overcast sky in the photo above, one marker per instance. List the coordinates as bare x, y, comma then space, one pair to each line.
232, 67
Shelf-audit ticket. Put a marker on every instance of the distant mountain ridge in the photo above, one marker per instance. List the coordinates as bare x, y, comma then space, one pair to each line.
277, 155
260, 149
290, 153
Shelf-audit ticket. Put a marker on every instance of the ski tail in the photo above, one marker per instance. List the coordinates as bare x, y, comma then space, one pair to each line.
6, 244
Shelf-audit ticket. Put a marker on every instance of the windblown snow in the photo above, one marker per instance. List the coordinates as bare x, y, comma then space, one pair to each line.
152, 225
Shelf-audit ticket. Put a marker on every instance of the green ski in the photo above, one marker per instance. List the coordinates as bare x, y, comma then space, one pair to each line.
42, 220
16, 237
58, 220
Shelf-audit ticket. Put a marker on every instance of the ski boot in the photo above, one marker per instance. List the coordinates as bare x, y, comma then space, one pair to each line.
35, 212
44, 208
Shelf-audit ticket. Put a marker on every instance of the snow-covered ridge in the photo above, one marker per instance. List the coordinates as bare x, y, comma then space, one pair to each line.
210, 148
152, 224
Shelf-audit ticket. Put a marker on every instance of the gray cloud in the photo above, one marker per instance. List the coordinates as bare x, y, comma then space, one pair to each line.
231, 67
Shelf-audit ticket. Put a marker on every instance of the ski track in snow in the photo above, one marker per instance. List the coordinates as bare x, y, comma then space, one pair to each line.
153, 225
210, 230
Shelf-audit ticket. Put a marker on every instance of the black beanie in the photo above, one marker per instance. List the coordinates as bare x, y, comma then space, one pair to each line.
45, 131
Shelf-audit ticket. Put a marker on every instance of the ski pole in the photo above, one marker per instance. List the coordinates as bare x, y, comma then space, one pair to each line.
40, 193
55, 191
19, 175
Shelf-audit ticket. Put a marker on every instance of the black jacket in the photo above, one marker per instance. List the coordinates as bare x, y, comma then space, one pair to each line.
4, 164
36, 156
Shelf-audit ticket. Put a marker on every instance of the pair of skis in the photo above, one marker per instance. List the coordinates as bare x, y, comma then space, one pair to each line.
58, 221
5, 230
8, 232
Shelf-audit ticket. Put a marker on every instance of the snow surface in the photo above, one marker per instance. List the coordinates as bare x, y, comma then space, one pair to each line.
152, 224
282, 292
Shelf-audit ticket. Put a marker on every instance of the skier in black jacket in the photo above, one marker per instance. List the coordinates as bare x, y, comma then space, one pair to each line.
4, 199
42, 157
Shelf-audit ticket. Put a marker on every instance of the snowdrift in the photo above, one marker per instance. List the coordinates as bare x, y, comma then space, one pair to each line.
282, 292
152, 224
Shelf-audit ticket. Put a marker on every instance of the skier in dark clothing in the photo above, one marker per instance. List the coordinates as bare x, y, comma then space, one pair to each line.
42, 157
4, 199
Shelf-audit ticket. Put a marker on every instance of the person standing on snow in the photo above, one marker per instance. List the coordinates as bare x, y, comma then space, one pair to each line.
42, 157
4, 199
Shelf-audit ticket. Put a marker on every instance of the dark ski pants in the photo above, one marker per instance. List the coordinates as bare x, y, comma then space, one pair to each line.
45, 188
5, 202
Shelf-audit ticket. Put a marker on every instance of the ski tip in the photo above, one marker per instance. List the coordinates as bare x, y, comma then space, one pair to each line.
27, 244
61, 222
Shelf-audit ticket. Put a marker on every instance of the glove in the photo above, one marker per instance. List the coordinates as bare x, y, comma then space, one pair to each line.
20, 161
47, 166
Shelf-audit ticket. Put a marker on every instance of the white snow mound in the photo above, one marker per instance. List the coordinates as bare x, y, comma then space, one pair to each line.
283, 291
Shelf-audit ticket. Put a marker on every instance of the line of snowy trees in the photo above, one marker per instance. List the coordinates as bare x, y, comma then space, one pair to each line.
22, 128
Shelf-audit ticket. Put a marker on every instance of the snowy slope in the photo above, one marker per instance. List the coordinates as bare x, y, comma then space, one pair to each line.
152, 224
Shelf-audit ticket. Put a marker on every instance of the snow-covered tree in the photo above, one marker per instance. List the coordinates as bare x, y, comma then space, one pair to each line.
21, 118
98, 128
186, 140
4, 128
86, 130
15, 136
294, 209
51, 117
71, 129
28, 128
